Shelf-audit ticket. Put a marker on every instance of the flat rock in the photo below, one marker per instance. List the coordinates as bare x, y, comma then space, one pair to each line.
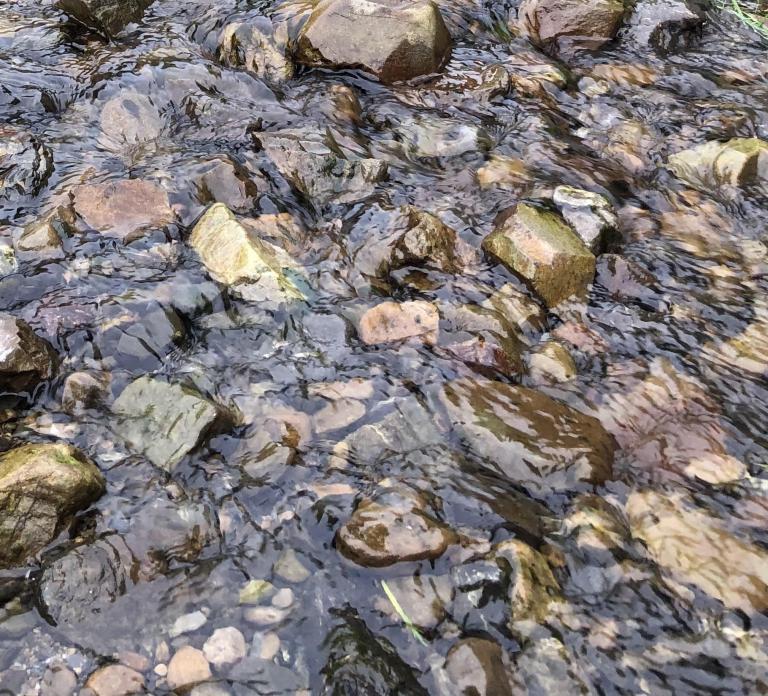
106, 16
187, 667
528, 437
41, 487
125, 209
25, 358
223, 181
163, 421
540, 247
115, 680
391, 39
129, 120
397, 321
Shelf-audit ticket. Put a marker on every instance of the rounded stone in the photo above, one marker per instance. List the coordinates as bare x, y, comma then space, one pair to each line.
226, 646
188, 667
116, 680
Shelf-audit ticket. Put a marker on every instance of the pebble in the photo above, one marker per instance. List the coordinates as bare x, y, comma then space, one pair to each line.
187, 623
133, 660
58, 681
161, 670
283, 598
255, 590
265, 616
265, 645
290, 568
162, 652
115, 680
226, 646
187, 668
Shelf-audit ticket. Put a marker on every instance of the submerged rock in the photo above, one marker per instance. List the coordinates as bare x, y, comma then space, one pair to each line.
25, 163
546, 667
423, 598
478, 666
528, 437
107, 16
25, 358
222, 181
226, 646
428, 242
8, 262
397, 321
115, 680
390, 39
125, 209
163, 421
561, 25
187, 667
738, 162
41, 487
258, 270
539, 246
551, 362
666, 25
128, 120
257, 45
42, 238
589, 214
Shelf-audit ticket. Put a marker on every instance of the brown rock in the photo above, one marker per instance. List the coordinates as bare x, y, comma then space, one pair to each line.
123, 209
25, 358
115, 680
396, 321
187, 667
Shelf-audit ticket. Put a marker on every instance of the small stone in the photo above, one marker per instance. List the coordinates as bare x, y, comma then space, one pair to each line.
290, 568
115, 680
188, 623
8, 262
187, 667
84, 390
265, 616
283, 598
226, 646
162, 652
256, 590
397, 321
551, 362
133, 660
266, 646
161, 670
41, 237
589, 214
58, 680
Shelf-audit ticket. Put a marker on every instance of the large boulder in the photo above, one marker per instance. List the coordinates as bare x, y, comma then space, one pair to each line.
540, 247
25, 163
125, 209
738, 162
530, 438
559, 25
392, 39
235, 257
106, 16
25, 358
257, 45
163, 421
41, 487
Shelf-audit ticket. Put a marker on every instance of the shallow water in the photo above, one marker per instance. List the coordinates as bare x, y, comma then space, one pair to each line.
674, 367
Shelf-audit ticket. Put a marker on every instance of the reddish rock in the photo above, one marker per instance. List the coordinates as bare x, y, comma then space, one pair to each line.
396, 321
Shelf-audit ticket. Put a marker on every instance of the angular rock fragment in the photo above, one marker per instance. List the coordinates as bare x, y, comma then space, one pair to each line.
259, 46
222, 181
589, 214
25, 163
397, 321
25, 358
391, 39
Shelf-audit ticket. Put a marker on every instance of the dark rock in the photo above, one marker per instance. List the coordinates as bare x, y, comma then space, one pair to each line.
624, 279
392, 40
25, 358
478, 666
25, 163
107, 16
41, 487
666, 25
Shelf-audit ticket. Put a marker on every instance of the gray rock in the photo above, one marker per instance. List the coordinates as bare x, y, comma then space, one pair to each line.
545, 668
8, 262
226, 646
259, 46
222, 181
188, 623
392, 40
25, 163
666, 25
129, 119
589, 214
84, 390
163, 421
42, 238
107, 16
478, 666
41, 487
25, 358
442, 138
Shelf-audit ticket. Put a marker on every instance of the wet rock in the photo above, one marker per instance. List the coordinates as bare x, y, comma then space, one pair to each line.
115, 680
551, 362
25, 358
222, 181
210, 689
41, 487
589, 214
391, 40
667, 26
360, 663
8, 262
225, 647
107, 16
258, 270
381, 534
129, 119
528, 437
257, 45
84, 390
320, 172
58, 680
428, 242
544, 251
532, 586
290, 568
265, 616
187, 667
545, 667
481, 352
623, 278
697, 547
442, 138
397, 321
562, 25
716, 469
478, 666
42, 238
507, 172
188, 623
163, 421
25, 163
125, 209
738, 162
518, 309
423, 598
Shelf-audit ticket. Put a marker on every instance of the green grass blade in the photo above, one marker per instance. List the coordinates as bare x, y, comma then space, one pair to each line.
401, 613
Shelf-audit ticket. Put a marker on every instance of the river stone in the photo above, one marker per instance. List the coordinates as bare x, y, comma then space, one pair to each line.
539, 246
561, 25
478, 666
380, 534
8, 262
428, 242
551, 362
528, 437
129, 119
397, 321
234, 257
41, 237
223, 181
41, 487
697, 547
226, 646
25, 163
106, 16
125, 209
391, 39
738, 162
115, 680
422, 597
25, 358
257, 45
163, 421
589, 214
545, 667
187, 667
663, 24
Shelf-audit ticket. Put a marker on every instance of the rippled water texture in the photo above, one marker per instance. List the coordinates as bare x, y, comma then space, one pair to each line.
599, 526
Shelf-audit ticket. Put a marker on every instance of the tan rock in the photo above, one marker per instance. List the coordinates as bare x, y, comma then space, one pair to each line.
187, 667
551, 362
396, 321
116, 680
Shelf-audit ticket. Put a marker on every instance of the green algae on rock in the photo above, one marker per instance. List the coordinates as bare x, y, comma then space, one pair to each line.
41, 487
540, 247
